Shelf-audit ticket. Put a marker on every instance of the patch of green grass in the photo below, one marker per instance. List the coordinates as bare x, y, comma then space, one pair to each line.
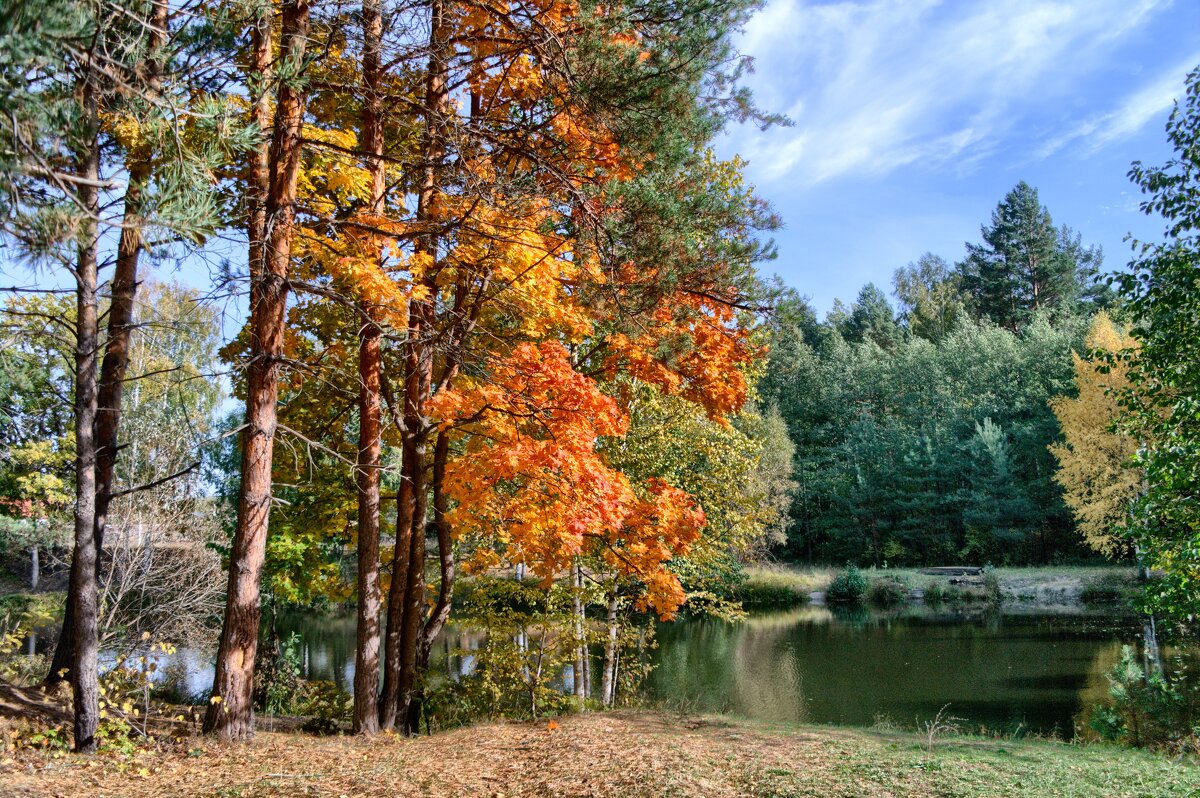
860, 763
802, 578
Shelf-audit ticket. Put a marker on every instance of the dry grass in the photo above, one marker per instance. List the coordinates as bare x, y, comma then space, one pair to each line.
801, 579
613, 755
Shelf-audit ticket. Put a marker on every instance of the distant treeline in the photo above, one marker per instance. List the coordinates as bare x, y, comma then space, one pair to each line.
921, 430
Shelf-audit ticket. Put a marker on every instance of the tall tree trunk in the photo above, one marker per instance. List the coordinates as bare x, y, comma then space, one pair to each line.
366, 673
1150, 649
259, 180
585, 653
231, 715
120, 330
608, 678
84, 662
406, 597
366, 657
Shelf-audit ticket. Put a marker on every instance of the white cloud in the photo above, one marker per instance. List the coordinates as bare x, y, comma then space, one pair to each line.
1147, 104
878, 84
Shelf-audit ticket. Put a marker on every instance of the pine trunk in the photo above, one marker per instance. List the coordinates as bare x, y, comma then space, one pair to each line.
116, 350
406, 598
366, 673
446, 568
84, 663
414, 583
231, 715
390, 700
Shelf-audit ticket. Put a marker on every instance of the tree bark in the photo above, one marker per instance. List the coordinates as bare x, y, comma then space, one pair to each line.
120, 329
231, 714
608, 679
580, 680
366, 657
390, 700
446, 566
260, 163
366, 673
84, 661
414, 583
406, 597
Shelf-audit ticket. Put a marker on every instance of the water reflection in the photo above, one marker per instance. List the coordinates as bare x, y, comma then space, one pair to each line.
1005, 672
1011, 671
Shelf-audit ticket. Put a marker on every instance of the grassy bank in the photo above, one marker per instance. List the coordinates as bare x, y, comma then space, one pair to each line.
789, 586
615, 754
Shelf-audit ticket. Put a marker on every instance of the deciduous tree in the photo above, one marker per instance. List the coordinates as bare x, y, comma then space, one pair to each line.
1095, 457
1160, 288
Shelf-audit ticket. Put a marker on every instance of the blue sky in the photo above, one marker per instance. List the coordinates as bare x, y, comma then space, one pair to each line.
913, 118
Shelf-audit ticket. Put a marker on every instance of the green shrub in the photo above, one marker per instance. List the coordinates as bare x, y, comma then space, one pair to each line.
326, 707
888, 592
527, 642
991, 585
20, 613
935, 594
848, 587
1146, 711
278, 686
1109, 589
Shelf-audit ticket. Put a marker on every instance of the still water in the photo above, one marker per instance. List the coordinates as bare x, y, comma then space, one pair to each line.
1009, 671
1006, 671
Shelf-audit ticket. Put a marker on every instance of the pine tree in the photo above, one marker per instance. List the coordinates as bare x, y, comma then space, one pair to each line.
82, 100
1025, 264
871, 319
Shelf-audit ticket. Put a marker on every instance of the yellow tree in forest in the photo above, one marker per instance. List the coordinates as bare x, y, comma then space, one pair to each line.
1094, 459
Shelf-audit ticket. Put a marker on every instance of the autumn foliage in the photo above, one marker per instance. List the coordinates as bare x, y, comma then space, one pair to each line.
474, 231
532, 478
1095, 458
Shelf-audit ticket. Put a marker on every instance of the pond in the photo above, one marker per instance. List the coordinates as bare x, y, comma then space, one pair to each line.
1010, 671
